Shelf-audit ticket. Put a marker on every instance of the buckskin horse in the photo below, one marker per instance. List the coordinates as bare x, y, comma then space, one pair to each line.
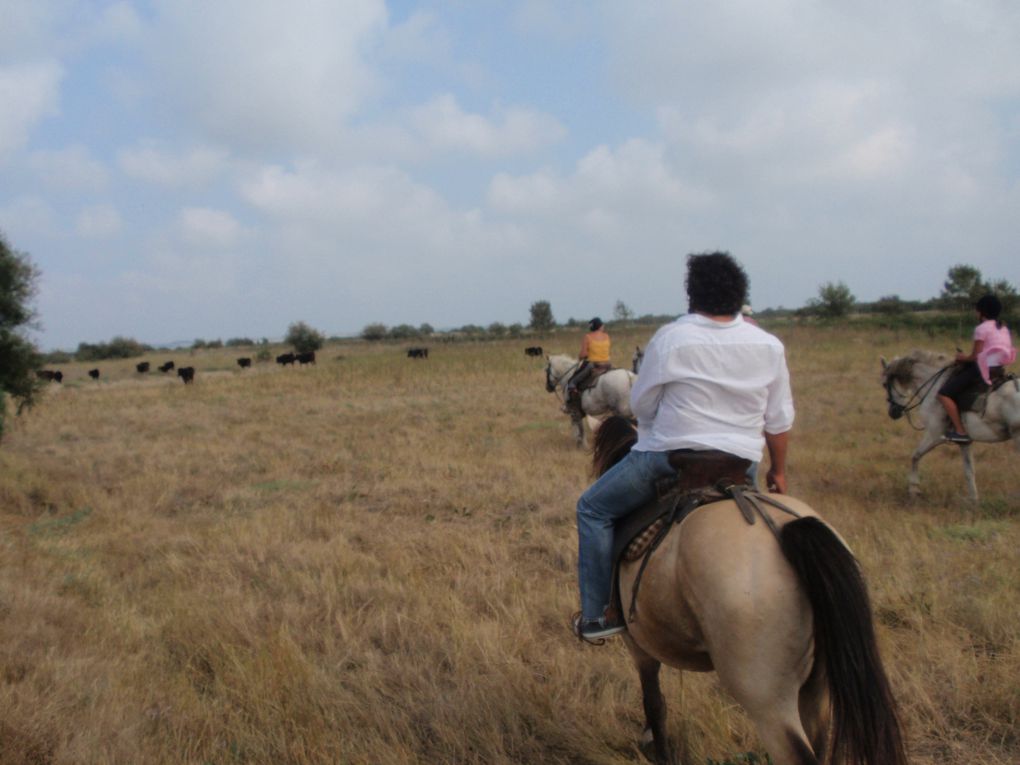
777, 607
911, 385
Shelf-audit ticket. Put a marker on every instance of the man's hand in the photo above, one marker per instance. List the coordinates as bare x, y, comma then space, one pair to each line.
776, 482
777, 444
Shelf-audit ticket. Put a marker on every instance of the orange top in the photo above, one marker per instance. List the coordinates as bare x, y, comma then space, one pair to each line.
595, 347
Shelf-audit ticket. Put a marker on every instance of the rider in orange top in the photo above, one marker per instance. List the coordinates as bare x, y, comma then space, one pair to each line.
594, 357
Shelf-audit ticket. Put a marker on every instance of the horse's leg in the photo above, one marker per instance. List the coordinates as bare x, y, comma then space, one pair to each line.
654, 736
782, 734
578, 423
814, 710
968, 472
932, 438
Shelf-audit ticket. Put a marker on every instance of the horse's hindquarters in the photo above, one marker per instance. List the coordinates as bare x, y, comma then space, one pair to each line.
718, 592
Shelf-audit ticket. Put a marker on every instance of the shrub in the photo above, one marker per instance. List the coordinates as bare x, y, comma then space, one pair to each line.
117, 348
303, 338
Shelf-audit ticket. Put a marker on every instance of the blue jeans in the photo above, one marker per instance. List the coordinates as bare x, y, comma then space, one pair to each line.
625, 487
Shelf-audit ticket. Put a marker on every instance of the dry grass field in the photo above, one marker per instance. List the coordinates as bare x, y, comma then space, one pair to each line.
372, 561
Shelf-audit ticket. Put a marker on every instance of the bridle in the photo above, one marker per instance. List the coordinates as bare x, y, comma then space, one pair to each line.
896, 409
550, 383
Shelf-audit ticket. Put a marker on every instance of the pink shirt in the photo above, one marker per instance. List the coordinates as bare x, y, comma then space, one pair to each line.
996, 341
997, 349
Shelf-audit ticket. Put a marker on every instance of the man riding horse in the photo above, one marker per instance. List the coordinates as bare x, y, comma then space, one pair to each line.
710, 382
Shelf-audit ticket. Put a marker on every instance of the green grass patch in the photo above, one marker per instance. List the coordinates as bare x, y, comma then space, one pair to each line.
51, 526
283, 485
982, 531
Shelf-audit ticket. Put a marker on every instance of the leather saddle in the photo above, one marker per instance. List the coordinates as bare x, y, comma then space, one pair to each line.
592, 374
975, 397
699, 474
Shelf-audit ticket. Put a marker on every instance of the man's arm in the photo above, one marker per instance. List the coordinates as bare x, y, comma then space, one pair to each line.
777, 444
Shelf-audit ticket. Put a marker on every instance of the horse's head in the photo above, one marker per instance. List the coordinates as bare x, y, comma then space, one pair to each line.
550, 383
636, 359
895, 374
557, 368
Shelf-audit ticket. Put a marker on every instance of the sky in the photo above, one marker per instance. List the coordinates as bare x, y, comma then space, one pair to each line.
182, 169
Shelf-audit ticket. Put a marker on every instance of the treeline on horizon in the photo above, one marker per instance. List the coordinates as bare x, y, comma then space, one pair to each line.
835, 304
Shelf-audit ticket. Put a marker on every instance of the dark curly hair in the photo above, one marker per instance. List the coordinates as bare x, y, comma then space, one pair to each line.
716, 284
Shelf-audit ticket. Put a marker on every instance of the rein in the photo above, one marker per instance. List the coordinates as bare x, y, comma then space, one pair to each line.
552, 386
916, 399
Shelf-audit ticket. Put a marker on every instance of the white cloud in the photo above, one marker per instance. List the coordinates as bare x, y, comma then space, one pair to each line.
363, 196
98, 222
158, 164
266, 74
882, 154
72, 168
633, 182
204, 227
26, 218
444, 125
28, 92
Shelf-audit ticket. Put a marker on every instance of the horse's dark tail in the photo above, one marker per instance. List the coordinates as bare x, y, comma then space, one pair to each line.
866, 726
613, 440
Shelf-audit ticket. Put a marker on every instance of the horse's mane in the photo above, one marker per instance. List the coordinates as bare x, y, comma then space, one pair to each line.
902, 368
930, 358
613, 440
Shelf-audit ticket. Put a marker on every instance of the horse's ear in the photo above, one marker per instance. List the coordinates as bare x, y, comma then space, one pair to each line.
885, 364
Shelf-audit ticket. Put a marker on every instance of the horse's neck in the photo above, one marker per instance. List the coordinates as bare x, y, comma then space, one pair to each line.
562, 365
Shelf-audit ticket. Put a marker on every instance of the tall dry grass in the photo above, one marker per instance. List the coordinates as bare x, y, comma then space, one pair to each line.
372, 561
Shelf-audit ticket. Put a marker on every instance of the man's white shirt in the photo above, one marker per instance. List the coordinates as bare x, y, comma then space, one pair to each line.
705, 384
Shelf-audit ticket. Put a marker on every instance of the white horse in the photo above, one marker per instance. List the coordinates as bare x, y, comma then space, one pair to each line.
912, 383
609, 395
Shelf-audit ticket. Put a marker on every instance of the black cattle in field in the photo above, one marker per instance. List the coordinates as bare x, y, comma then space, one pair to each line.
49, 375
164, 368
285, 358
187, 374
244, 363
94, 374
305, 358
142, 367
533, 350
417, 353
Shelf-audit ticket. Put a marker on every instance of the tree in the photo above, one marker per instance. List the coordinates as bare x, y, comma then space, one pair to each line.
497, 329
403, 332
621, 312
541, 316
890, 304
962, 287
425, 329
834, 300
374, 332
303, 338
19, 358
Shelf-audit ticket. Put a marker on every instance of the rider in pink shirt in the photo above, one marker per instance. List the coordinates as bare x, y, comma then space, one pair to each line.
993, 347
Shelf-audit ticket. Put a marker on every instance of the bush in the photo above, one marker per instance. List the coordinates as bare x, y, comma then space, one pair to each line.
117, 348
403, 332
374, 332
234, 342
303, 338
